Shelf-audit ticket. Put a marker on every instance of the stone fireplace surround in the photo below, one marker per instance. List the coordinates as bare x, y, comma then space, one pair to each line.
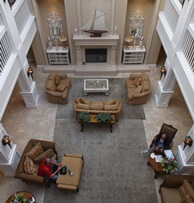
84, 41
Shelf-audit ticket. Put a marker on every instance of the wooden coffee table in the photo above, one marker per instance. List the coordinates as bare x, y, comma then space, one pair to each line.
158, 169
93, 120
26, 194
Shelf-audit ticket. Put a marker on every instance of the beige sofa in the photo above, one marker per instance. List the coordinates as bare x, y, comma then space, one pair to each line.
113, 107
177, 188
57, 88
138, 88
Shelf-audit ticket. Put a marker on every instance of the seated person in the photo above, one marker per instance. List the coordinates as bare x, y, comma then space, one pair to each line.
49, 169
160, 144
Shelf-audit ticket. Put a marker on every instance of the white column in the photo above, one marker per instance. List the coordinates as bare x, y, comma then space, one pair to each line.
165, 87
28, 88
79, 55
185, 157
113, 55
9, 158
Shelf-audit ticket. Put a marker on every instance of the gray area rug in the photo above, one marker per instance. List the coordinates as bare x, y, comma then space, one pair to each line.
114, 170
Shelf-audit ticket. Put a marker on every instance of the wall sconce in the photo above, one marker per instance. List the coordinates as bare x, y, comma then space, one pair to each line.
30, 73
6, 140
163, 71
188, 141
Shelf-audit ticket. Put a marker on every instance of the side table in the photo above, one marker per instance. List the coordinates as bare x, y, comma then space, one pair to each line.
26, 194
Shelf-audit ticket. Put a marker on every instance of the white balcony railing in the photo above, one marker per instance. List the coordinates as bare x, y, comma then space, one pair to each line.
171, 14
22, 16
5, 51
188, 48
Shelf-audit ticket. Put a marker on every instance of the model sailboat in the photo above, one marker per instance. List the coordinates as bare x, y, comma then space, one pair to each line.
96, 26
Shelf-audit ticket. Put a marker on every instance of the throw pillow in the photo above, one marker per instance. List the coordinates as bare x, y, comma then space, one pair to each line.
50, 85
84, 101
110, 102
29, 166
186, 199
182, 191
136, 81
51, 76
60, 87
144, 76
35, 151
145, 86
138, 89
188, 189
96, 105
110, 107
57, 79
83, 106
47, 154
77, 100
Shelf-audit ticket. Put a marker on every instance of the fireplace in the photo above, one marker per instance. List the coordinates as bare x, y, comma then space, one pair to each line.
96, 55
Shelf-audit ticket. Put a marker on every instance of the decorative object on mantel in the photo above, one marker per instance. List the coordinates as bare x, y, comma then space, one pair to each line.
96, 25
30, 73
128, 39
115, 31
6, 141
188, 141
163, 71
63, 39
76, 31
136, 28
55, 28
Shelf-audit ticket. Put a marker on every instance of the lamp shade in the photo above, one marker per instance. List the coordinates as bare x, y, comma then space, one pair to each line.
128, 38
63, 38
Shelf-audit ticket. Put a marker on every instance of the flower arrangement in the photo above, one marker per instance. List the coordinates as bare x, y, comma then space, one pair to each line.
104, 117
84, 117
169, 165
18, 198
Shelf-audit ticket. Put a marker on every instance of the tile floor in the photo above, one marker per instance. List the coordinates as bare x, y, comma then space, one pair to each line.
39, 123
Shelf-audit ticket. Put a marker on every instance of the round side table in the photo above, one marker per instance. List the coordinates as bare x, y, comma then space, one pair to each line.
26, 194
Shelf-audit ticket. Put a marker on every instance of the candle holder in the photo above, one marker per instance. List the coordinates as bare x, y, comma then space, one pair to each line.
6, 141
188, 141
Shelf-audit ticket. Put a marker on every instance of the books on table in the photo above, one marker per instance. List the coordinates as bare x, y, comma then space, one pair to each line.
169, 154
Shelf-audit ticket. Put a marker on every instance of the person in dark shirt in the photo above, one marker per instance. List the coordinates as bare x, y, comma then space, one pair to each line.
49, 169
160, 144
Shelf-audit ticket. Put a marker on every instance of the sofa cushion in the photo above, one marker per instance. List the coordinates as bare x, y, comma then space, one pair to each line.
112, 102
170, 195
138, 89
35, 151
60, 87
188, 189
50, 85
145, 85
136, 81
84, 101
144, 76
57, 79
110, 107
187, 199
96, 105
29, 166
182, 191
83, 106
51, 76
47, 154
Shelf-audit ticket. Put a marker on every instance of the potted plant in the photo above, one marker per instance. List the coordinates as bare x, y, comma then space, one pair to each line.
19, 198
104, 117
169, 165
84, 117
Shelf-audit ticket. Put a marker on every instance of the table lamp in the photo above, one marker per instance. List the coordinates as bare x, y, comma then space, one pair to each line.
128, 39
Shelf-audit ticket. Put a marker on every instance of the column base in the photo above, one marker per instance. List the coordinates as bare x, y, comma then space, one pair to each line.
31, 98
162, 97
184, 168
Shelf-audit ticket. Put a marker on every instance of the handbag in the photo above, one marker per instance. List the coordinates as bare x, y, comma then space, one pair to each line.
63, 170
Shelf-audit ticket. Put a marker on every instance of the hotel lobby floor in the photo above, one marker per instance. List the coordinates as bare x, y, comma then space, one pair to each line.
23, 124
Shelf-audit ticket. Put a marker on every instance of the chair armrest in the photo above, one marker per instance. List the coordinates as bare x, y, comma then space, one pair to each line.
67, 187
74, 155
175, 181
27, 177
64, 93
56, 94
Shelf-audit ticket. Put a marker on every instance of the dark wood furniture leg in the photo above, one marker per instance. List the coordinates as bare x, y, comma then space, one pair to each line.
111, 128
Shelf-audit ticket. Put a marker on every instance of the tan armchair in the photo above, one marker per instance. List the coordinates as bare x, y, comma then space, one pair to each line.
138, 88
57, 88
20, 173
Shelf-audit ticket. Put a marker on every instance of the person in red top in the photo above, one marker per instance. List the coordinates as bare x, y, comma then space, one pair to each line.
49, 169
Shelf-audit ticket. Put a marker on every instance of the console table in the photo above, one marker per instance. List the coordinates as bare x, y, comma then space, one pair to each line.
58, 56
134, 55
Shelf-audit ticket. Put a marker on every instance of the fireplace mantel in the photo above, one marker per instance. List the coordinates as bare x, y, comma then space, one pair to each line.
85, 41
